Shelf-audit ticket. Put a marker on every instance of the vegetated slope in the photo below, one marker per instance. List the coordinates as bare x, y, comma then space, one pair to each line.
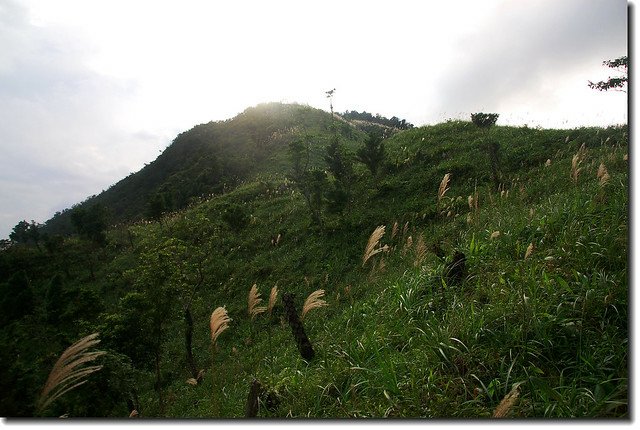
211, 159
542, 302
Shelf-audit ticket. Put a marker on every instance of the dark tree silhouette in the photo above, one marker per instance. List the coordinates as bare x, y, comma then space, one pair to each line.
617, 83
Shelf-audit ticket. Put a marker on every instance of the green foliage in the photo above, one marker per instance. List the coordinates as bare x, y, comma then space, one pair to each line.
339, 163
157, 206
377, 119
311, 182
484, 120
372, 153
91, 223
54, 300
617, 83
543, 304
236, 216
128, 331
16, 298
26, 232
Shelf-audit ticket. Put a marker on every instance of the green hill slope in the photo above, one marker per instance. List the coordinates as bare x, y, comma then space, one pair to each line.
539, 310
211, 159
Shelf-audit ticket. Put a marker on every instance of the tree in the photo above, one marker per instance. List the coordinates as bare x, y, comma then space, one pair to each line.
617, 83
54, 299
486, 121
340, 166
339, 163
372, 154
91, 223
156, 206
310, 182
16, 298
26, 232
330, 97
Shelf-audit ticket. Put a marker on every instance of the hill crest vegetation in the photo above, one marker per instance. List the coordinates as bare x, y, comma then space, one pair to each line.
475, 272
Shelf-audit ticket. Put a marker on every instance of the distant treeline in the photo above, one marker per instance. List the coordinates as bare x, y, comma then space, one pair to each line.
389, 122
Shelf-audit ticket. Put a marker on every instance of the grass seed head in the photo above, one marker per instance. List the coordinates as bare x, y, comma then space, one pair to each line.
603, 175
373, 242
421, 251
253, 302
70, 370
314, 301
529, 251
273, 296
218, 323
444, 186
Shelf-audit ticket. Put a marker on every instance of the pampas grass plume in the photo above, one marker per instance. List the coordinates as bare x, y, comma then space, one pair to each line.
253, 302
219, 322
373, 242
314, 301
272, 298
70, 371
444, 186
603, 174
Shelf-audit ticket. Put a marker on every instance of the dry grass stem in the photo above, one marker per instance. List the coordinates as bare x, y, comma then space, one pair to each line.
576, 160
507, 403
253, 302
219, 322
421, 252
372, 248
408, 244
529, 251
603, 175
394, 230
444, 186
70, 371
273, 296
314, 301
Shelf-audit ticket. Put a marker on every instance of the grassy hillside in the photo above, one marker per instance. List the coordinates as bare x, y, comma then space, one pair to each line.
211, 159
540, 310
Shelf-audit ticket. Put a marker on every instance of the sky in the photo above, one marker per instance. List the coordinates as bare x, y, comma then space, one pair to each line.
90, 91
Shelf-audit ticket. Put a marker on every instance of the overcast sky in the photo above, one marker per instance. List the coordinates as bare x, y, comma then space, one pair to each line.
92, 90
